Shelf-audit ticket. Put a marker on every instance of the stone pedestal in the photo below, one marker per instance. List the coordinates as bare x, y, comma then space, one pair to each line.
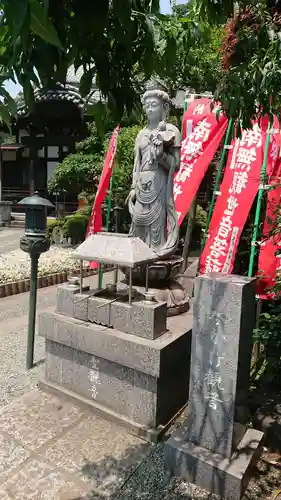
5, 213
214, 449
132, 367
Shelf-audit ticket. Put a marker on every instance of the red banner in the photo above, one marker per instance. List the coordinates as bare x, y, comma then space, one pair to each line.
268, 261
202, 133
95, 221
237, 194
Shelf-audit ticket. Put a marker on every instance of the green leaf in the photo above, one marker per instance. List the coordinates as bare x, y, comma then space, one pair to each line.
42, 26
86, 83
16, 12
9, 102
5, 115
98, 112
28, 93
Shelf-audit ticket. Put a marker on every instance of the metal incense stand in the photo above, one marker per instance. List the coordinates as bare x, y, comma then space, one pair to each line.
121, 251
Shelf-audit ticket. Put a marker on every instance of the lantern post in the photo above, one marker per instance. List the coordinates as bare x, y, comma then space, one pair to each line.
34, 241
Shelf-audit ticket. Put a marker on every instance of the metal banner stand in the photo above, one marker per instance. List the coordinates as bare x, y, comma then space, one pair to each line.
254, 243
226, 147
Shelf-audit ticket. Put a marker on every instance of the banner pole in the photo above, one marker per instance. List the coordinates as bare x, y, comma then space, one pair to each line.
109, 203
258, 208
217, 180
192, 210
256, 348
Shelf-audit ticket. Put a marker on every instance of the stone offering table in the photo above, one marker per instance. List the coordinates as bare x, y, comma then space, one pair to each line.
213, 448
121, 357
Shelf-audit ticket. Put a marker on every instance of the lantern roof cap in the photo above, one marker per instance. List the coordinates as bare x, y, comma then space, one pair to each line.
35, 200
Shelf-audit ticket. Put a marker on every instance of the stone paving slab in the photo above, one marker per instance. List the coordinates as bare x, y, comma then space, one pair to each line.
99, 452
51, 449
12, 454
37, 417
40, 481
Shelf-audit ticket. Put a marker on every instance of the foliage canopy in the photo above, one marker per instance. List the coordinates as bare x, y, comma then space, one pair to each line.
40, 39
250, 84
119, 44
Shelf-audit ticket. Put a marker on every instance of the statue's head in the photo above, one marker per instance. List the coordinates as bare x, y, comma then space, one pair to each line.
156, 104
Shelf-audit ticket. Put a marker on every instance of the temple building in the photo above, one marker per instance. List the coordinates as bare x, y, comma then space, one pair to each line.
44, 137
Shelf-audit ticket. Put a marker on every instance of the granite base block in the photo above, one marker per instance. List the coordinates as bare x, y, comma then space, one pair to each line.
148, 320
80, 306
66, 296
145, 381
99, 311
142, 318
225, 477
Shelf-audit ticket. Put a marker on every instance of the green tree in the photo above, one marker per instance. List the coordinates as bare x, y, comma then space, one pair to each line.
119, 44
40, 39
189, 50
250, 83
81, 171
180, 9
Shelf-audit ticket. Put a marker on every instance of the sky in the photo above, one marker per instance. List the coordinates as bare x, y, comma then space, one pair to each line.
14, 89
166, 6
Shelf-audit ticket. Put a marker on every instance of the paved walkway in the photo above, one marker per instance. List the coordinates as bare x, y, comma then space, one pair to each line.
51, 449
10, 239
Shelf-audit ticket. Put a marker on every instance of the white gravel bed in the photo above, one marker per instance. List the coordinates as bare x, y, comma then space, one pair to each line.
15, 265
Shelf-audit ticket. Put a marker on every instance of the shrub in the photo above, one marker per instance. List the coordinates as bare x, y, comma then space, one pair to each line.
75, 227
51, 224
76, 173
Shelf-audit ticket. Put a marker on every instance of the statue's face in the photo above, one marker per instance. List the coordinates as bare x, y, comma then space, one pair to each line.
153, 107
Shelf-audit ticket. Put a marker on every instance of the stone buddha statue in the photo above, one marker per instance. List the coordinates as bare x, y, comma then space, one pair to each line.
157, 157
151, 201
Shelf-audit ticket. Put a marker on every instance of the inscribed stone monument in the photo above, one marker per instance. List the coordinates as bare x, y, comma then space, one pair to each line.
205, 449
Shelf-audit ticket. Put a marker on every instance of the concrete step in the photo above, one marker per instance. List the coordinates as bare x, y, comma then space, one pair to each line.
18, 223
18, 216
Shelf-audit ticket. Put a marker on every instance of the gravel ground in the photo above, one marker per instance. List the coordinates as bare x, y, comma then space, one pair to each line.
150, 482
15, 265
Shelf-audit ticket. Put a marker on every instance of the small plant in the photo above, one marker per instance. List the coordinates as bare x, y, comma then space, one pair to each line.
268, 335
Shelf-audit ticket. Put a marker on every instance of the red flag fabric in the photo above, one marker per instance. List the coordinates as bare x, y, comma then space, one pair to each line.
95, 221
268, 261
237, 194
197, 151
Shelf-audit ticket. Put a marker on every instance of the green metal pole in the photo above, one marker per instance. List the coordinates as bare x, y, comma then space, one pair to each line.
258, 209
191, 215
217, 180
32, 310
109, 203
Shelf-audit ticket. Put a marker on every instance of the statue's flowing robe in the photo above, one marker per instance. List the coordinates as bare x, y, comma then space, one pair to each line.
154, 219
